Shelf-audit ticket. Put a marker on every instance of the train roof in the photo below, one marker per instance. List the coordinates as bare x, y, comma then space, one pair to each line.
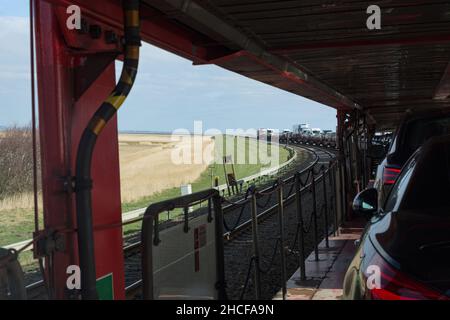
325, 52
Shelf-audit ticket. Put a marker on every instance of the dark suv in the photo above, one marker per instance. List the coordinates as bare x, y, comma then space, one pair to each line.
414, 130
404, 253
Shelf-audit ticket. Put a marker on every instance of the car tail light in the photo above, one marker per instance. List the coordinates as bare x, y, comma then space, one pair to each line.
396, 285
390, 175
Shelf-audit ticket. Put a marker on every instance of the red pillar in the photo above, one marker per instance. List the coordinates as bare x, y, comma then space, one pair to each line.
62, 118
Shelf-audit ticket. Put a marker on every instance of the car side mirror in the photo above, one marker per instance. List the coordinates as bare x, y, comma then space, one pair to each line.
366, 202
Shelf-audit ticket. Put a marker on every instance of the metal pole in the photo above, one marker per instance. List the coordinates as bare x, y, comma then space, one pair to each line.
366, 144
351, 161
218, 215
343, 181
301, 242
234, 186
316, 244
334, 192
325, 203
282, 250
226, 175
256, 247
342, 165
186, 219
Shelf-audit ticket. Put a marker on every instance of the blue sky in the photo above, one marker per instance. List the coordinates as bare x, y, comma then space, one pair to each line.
169, 93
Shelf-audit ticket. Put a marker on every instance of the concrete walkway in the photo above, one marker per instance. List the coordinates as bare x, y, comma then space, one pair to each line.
324, 278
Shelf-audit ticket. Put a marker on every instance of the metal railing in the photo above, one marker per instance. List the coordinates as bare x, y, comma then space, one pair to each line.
301, 182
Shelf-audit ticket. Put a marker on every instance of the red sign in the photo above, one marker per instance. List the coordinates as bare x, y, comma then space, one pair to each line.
199, 241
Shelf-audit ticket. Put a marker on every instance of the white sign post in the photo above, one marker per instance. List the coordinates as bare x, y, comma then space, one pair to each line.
187, 189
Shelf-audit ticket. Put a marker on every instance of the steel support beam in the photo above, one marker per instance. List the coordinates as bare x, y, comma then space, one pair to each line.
412, 41
156, 28
234, 38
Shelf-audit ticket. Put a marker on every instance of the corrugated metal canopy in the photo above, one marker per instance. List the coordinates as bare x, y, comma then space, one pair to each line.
323, 50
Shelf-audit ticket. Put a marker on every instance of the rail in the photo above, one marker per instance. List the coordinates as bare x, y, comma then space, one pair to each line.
299, 185
324, 175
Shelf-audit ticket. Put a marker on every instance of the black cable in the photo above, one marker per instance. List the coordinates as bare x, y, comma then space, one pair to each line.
307, 229
272, 260
303, 183
295, 239
247, 279
266, 203
83, 182
290, 191
227, 228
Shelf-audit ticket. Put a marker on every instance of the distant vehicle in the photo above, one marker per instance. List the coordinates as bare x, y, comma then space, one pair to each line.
301, 128
316, 131
307, 132
315, 136
285, 136
382, 138
414, 130
404, 253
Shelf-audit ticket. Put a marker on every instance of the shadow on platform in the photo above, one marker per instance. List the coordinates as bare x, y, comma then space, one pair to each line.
324, 278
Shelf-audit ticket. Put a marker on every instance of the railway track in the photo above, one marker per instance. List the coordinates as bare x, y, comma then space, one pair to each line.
239, 247
236, 241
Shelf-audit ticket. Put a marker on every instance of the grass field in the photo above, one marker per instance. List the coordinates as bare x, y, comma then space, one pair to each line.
149, 175
205, 179
239, 147
146, 167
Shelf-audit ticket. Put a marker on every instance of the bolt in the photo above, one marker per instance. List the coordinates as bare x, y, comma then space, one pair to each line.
110, 37
95, 31
84, 28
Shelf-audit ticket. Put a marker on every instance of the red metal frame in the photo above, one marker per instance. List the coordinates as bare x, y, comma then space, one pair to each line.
75, 74
156, 28
62, 118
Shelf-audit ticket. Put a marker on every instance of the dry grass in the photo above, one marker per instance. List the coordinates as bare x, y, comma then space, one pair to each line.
146, 167
17, 218
18, 201
148, 175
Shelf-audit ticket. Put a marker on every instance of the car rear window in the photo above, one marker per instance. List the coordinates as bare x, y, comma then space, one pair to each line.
430, 185
419, 131
398, 190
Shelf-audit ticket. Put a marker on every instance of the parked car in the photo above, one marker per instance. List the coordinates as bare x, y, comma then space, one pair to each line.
404, 252
414, 130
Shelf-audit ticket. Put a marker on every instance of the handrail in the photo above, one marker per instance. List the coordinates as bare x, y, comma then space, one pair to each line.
150, 235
